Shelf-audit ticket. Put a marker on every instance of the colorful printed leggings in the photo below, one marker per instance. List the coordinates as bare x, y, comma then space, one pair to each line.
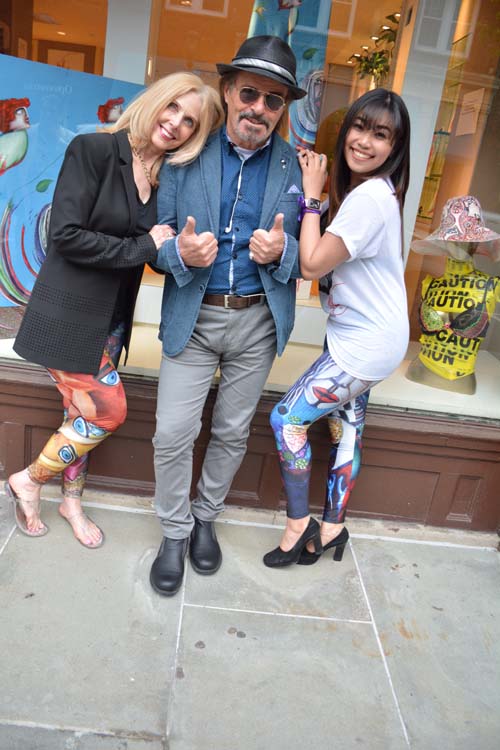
94, 406
324, 389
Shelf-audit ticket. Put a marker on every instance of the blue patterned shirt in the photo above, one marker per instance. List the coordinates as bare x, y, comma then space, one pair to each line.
242, 192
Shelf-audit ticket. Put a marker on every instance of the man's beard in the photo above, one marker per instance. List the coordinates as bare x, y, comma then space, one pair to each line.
254, 137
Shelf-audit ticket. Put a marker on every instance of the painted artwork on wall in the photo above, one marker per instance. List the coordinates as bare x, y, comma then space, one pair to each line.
303, 24
42, 108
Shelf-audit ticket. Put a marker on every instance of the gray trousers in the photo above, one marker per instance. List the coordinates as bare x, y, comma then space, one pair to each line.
242, 344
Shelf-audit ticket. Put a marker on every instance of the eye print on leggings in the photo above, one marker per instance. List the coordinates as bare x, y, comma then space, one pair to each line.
107, 375
67, 454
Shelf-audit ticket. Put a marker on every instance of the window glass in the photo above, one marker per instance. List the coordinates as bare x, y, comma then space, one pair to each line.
457, 366
69, 35
440, 55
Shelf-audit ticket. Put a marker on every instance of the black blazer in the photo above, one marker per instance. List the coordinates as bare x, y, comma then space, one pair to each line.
91, 247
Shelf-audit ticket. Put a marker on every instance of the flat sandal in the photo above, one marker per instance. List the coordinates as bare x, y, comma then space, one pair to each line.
19, 514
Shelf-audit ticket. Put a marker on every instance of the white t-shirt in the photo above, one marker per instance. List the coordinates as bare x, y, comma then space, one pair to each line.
367, 327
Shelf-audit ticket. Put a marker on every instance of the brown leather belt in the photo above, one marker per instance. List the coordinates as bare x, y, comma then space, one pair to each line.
232, 301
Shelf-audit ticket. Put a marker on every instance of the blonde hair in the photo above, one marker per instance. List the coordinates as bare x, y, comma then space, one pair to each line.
140, 116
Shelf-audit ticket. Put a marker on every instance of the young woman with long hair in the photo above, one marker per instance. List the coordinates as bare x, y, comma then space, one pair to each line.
360, 260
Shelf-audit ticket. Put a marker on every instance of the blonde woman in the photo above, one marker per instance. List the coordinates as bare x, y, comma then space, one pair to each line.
103, 230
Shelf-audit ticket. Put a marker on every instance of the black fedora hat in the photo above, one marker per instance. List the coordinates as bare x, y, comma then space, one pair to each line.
267, 56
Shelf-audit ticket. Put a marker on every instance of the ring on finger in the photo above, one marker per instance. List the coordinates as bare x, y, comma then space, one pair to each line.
250, 255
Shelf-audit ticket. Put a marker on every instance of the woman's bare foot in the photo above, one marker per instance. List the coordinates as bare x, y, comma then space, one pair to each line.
28, 501
295, 527
84, 529
328, 532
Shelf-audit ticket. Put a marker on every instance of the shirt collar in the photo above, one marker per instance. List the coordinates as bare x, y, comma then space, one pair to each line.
244, 153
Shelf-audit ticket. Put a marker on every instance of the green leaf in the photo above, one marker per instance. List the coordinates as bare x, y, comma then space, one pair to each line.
309, 53
43, 185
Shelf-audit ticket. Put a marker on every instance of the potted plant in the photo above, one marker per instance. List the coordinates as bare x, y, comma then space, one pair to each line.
376, 62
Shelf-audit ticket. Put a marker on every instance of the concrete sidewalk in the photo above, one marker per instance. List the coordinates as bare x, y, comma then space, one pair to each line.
395, 647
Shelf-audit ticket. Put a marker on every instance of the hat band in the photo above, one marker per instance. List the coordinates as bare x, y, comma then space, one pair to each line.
254, 62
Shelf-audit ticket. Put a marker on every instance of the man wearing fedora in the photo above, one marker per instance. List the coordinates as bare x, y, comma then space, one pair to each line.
229, 297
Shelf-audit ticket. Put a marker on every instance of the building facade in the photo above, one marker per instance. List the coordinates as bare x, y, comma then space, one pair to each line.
432, 439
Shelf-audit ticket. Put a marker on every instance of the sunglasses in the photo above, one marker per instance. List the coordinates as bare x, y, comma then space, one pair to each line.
249, 95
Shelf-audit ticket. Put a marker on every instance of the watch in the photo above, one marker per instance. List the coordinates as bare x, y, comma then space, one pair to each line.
312, 203
308, 206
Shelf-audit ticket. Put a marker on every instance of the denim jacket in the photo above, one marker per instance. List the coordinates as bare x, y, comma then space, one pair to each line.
194, 190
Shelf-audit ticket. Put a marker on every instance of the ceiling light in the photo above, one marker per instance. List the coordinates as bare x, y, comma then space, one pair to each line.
385, 28
349, 62
356, 54
186, 2
365, 46
375, 38
397, 15
61, 33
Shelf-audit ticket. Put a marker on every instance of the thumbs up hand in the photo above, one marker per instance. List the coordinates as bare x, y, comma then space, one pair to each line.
198, 250
267, 246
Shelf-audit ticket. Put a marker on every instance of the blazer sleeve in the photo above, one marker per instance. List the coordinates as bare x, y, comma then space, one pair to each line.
169, 259
289, 265
79, 186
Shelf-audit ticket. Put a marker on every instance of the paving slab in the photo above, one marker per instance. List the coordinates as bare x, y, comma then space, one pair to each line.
45, 738
253, 682
437, 610
326, 589
87, 643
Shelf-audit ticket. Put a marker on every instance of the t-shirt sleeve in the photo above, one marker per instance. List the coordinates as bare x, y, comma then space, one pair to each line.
360, 224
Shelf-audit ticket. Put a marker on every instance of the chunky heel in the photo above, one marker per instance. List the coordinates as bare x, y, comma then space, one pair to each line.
339, 552
338, 543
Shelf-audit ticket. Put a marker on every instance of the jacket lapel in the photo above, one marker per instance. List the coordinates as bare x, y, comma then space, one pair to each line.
279, 169
127, 175
211, 175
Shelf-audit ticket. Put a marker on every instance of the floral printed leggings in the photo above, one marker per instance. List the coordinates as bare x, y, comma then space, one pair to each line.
94, 406
323, 390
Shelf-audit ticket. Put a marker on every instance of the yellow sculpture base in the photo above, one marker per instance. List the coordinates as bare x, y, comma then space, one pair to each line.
419, 373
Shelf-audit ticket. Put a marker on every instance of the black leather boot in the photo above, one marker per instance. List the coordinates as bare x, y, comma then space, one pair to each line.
204, 550
167, 570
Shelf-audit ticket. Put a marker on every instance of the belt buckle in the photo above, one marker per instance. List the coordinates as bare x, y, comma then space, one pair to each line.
227, 298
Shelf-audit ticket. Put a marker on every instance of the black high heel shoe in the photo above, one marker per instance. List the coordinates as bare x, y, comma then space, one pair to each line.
278, 558
339, 543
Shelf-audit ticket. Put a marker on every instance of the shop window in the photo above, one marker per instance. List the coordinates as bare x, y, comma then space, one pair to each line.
66, 35
460, 33
42, 108
457, 371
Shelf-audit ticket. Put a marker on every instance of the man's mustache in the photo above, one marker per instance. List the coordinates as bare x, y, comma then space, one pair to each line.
250, 115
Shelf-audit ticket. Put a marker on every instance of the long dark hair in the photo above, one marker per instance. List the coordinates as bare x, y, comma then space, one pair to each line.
372, 107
